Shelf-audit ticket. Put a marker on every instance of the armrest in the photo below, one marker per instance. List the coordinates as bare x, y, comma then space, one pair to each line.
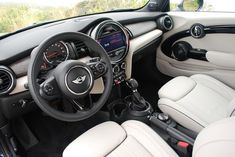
223, 59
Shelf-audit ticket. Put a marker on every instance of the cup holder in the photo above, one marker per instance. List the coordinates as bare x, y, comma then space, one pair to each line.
118, 110
121, 111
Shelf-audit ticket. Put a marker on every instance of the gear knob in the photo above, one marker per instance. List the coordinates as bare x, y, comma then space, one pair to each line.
132, 84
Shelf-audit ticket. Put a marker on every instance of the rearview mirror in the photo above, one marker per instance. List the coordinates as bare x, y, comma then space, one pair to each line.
190, 5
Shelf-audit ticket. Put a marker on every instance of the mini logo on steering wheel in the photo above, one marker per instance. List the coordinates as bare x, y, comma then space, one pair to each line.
79, 80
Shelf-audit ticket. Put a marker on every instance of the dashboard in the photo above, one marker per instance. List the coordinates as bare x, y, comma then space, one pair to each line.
111, 35
122, 37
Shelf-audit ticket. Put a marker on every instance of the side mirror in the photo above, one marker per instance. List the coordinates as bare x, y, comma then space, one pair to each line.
190, 5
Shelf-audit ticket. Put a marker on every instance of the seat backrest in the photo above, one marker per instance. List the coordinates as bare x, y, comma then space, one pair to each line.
216, 140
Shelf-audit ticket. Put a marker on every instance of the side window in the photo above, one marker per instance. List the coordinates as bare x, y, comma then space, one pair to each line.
203, 5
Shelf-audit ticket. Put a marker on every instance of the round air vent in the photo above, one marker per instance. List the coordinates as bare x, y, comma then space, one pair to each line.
7, 80
197, 31
165, 23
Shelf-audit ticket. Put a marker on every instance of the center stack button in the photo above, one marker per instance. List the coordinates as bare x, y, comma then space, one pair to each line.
116, 69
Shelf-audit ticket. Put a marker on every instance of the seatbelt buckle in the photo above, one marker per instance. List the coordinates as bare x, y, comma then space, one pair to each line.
183, 145
184, 148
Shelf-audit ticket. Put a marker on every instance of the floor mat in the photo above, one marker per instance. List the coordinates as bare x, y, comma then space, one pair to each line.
55, 135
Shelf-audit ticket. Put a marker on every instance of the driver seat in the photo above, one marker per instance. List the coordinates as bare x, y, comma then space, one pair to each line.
135, 139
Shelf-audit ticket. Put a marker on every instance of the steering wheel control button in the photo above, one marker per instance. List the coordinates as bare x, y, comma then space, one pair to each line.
78, 80
197, 31
48, 89
99, 67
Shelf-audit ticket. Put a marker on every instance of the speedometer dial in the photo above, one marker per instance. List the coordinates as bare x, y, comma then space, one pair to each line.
56, 53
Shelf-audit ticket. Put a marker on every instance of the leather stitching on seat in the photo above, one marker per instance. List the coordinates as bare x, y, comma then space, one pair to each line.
142, 145
118, 144
147, 135
231, 115
138, 140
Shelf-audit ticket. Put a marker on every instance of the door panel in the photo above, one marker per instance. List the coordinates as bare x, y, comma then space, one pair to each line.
219, 42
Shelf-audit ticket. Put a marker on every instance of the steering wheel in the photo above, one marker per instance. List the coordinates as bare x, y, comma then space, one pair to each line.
72, 79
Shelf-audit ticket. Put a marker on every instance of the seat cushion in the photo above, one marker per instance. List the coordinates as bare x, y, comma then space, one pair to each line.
216, 140
132, 139
195, 101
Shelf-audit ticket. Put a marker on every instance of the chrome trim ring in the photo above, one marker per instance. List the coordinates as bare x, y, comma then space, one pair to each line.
98, 28
67, 52
90, 85
162, 22
5, 69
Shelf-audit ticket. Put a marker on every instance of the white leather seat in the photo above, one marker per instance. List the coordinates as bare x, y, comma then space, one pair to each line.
135, 139
131, 139
196, 101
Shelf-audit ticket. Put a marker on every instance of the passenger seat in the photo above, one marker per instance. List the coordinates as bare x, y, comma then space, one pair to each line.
196, 101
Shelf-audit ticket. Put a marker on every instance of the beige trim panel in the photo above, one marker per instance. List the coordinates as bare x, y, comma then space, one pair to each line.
138, 43
221, 59
221, 69
20, 85
184, 20
98, 87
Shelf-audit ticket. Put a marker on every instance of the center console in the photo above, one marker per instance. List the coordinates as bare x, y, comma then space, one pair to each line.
113, 37
132, 107
135, 107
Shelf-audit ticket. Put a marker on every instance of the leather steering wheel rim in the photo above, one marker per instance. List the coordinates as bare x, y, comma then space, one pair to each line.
34, 69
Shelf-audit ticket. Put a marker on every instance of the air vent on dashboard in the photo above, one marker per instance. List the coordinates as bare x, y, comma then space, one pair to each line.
165, 23
109, 29
7, 80
81, 48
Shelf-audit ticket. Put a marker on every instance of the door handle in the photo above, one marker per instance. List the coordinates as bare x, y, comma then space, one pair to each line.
182, 51
199, 54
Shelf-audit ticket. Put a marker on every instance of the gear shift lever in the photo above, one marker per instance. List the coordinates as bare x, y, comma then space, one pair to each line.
138, 104
132, 84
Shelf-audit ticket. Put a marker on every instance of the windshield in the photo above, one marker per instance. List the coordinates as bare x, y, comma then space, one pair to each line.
17, 14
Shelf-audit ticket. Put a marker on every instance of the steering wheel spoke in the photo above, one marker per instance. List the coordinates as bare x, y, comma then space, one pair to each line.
98, 67
49, 89
84, 104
